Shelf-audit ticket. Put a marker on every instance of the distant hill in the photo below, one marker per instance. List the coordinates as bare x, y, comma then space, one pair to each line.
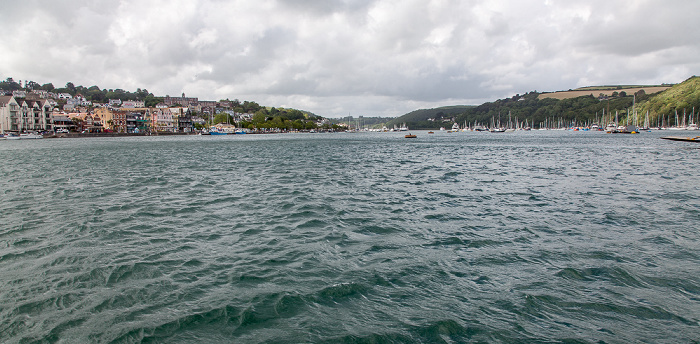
430, 118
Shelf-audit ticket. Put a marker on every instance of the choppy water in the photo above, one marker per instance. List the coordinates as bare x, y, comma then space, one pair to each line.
351, 238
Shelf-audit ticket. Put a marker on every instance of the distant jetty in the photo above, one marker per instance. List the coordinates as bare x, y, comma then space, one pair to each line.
679, 138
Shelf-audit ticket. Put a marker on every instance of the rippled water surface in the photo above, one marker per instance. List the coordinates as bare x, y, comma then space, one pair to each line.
351, 238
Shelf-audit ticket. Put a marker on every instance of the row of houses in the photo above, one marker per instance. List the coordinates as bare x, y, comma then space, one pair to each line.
133, 120
39, 115
80, 103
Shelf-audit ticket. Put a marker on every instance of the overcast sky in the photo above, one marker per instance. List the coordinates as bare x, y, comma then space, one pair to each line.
349, 57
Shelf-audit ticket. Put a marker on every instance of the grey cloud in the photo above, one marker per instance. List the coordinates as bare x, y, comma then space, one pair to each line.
327, 6
370, 57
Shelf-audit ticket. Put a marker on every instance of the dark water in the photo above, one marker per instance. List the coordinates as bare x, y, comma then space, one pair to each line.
351, 238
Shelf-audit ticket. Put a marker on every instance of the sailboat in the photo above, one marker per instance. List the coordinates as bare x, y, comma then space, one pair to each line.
645, 126
677, 126
692, 125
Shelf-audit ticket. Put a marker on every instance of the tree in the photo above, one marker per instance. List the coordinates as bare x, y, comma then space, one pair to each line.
142, 94
151, 100
222, 118
295, 114
310, 125
32, 85
298, 124
277, 122
79, 123
259, 117
9, 85
94, 94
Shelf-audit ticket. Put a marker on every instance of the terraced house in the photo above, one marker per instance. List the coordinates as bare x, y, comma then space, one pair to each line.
24, 114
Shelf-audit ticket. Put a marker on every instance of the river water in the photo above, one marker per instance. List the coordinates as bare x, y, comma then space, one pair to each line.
542, 236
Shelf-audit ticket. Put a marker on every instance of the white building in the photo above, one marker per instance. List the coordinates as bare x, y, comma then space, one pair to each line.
19, 114
133, 104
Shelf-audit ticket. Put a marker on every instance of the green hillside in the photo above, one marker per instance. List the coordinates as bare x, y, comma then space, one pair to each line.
681, 97
570, 111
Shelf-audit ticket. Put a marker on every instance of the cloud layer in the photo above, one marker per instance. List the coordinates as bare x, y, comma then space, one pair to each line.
340, 57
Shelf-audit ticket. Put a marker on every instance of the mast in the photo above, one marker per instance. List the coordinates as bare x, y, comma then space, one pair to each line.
634, 111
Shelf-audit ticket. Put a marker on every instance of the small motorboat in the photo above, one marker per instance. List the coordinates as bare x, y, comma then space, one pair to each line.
410, 136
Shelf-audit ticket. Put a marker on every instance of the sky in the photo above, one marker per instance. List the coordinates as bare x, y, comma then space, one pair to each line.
349, 57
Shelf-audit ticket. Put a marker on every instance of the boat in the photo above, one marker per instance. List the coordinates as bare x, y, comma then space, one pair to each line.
430, 132
410, 136
217, 131
630, 129
30, 136
686, 139
645, 127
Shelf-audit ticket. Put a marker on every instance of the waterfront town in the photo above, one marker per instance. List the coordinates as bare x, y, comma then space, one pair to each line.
40, 111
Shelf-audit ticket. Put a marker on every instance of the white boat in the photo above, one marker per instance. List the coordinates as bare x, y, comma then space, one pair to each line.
30, 136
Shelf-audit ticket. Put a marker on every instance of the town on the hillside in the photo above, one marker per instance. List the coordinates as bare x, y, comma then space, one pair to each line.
41, 111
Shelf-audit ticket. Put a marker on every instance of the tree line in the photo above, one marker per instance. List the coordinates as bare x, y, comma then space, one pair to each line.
92, 93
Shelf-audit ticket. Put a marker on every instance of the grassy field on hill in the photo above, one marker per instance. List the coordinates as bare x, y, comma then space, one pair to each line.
606, 90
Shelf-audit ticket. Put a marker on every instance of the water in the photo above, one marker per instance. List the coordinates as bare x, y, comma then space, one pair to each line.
351, 238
